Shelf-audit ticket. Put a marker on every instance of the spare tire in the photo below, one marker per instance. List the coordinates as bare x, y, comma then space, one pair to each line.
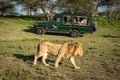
94, 27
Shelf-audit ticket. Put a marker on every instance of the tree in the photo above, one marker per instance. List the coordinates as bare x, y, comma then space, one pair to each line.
96, 5
29, 5
115, 9
111, 6
6, 7
48, 7
78, 6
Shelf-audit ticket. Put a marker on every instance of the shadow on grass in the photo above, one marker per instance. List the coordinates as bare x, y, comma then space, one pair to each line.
24, 57
110, 36
30, 58
30, 29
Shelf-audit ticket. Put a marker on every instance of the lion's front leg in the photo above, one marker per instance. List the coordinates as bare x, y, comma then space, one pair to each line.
72, 59
61, 54
57, 61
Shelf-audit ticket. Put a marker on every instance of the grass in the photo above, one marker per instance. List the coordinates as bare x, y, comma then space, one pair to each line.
101, 59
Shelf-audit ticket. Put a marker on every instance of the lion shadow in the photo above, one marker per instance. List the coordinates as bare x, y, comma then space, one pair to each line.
30, 58
25, 58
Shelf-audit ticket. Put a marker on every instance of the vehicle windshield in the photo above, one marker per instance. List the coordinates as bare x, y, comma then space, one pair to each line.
55, 19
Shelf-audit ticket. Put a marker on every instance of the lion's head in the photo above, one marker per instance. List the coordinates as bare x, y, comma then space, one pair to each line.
78, 49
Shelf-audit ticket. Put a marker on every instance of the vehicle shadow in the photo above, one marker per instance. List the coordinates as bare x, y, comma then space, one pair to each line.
30, 29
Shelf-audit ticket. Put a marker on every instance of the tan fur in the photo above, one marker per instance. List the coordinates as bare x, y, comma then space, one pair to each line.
67, 50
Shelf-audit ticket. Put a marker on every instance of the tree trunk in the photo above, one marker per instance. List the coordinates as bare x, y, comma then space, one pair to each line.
29, 12
46, 16
108, 14
96, 7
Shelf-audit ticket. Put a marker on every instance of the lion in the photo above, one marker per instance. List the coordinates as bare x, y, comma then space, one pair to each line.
66, 50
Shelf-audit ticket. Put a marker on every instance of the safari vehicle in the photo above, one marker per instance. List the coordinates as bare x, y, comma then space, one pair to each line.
68, 23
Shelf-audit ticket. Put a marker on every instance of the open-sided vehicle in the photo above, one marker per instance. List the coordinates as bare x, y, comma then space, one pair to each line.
73, 24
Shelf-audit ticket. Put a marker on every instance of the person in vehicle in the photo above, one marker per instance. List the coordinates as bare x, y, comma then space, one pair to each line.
84, 21
65, 20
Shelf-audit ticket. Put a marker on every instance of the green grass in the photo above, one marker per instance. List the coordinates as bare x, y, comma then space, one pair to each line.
101, 59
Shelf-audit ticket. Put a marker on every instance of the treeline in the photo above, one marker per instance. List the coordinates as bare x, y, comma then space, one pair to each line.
50, 7
27, 17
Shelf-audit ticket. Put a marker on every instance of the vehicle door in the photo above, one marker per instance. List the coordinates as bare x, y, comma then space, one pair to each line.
55, 24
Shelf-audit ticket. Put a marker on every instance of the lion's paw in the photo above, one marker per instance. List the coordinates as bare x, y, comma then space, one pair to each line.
46, 64
56, 65
77, 67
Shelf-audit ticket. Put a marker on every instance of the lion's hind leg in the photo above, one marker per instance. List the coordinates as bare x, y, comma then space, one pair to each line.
44, 59
36, 57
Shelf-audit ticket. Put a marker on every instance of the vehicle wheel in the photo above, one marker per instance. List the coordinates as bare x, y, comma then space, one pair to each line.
41, 31
74, 33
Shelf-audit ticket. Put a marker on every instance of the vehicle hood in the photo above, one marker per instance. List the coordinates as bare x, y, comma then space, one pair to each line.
38, 23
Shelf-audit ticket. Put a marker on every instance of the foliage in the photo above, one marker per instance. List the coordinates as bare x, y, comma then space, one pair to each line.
50, 7
112, 8
47, 7
29, 5
6, 7
26, 17
77, 6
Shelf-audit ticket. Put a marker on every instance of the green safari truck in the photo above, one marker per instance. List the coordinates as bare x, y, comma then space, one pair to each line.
68, 23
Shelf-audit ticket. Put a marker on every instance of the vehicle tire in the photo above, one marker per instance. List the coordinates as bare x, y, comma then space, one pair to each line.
41, 31
74, 33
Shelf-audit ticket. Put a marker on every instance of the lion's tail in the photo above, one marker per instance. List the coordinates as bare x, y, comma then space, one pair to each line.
38, 48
